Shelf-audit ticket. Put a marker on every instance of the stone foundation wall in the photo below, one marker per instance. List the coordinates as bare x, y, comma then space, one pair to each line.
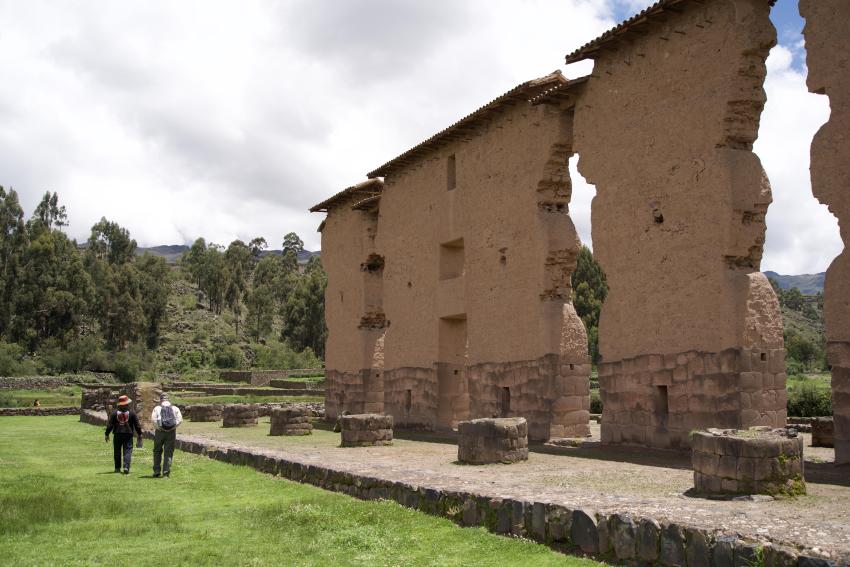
39, 411
411, 397
657, 400
841, 409
613, 537
353, 392
553, 394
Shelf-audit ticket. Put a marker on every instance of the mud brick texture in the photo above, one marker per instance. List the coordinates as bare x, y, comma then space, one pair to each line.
366, 430
748, 462
290, 422
487, 441
239, 415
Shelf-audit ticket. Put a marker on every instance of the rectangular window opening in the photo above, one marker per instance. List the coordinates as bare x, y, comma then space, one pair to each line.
662, 407
451, 173
408, 401
452, 259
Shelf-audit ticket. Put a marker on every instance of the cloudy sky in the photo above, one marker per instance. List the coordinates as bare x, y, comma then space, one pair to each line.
229, 119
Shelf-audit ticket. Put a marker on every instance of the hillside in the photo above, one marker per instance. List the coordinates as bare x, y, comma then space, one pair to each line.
808, 284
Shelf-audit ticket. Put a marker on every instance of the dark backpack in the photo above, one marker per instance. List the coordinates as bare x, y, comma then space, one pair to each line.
167, 417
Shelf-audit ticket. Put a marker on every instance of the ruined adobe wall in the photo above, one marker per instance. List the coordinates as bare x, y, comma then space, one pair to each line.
348, 240
828, 53
506, 317
690, 333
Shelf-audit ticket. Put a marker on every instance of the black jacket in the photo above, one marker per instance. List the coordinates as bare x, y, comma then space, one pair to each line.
132, 425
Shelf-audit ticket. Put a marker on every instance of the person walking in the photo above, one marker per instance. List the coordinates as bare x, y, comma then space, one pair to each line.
125, 424
166, 418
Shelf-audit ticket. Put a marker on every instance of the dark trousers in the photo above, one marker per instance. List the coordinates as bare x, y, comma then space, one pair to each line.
122, 443
163, 442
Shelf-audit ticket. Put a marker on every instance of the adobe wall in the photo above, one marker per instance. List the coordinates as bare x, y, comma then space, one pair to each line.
476, 281
828, 57
691, 333
353, 313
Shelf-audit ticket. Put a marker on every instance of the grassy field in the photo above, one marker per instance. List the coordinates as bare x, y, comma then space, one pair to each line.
64, 396
60, 504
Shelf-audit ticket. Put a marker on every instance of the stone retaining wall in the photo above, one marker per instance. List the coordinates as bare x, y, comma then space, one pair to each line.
32, 382
222, 390
263, 377
39, 411
612, 537
205, 412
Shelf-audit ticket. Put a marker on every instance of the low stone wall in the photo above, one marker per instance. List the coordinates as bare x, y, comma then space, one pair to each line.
613, 537
204, 412
220, 390
823, 432
486, 441
264, 377
96, 399
39, 411
754, 461
32, 382
365, 430
296, 385
290, 421
239, 415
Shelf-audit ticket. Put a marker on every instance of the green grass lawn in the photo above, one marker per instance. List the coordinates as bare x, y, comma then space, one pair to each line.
60, 504
64, 396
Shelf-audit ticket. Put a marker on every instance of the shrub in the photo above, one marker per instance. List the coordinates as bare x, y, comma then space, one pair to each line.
81, 354
227, 356
809, 401
595, 402
13, 361
276, 355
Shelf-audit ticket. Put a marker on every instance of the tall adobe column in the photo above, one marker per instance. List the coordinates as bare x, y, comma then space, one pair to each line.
828, 48
691, 333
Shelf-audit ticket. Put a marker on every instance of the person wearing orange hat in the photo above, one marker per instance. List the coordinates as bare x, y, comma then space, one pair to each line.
125, 424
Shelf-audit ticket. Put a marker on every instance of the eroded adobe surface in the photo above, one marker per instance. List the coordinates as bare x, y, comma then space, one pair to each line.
828, 58
461, 304
690, 333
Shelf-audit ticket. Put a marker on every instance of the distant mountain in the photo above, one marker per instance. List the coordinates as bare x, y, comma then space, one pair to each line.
172, 252
808, 284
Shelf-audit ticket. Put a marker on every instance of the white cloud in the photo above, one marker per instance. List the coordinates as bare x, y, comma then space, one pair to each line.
225, 120
802, 236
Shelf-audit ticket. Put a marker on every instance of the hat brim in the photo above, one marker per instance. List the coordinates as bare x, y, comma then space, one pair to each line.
126, 402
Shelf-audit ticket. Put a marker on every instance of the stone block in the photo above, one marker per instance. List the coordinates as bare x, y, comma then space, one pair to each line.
648, 540
493, 440
698, 548
583, 531
672, 548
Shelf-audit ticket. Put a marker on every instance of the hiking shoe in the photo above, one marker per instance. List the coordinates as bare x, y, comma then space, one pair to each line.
118, 470
156, 475
126, 471
166, 475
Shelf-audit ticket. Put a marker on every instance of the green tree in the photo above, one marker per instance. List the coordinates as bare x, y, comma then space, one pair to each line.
260, 302
153, 276
239, 261
48, 215
590, 289
111, 243
292, 247
257, 246
304, 311
13, 241
53, 291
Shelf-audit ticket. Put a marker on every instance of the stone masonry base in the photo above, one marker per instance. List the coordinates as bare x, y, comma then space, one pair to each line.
613, 537
657, 400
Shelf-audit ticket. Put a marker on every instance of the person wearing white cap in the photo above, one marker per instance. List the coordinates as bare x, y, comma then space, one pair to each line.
166, 418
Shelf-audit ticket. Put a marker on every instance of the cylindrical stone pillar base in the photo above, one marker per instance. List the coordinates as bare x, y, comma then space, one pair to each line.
485, 441
365, 430
760, 460
290, 421
239, 415
205, 412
